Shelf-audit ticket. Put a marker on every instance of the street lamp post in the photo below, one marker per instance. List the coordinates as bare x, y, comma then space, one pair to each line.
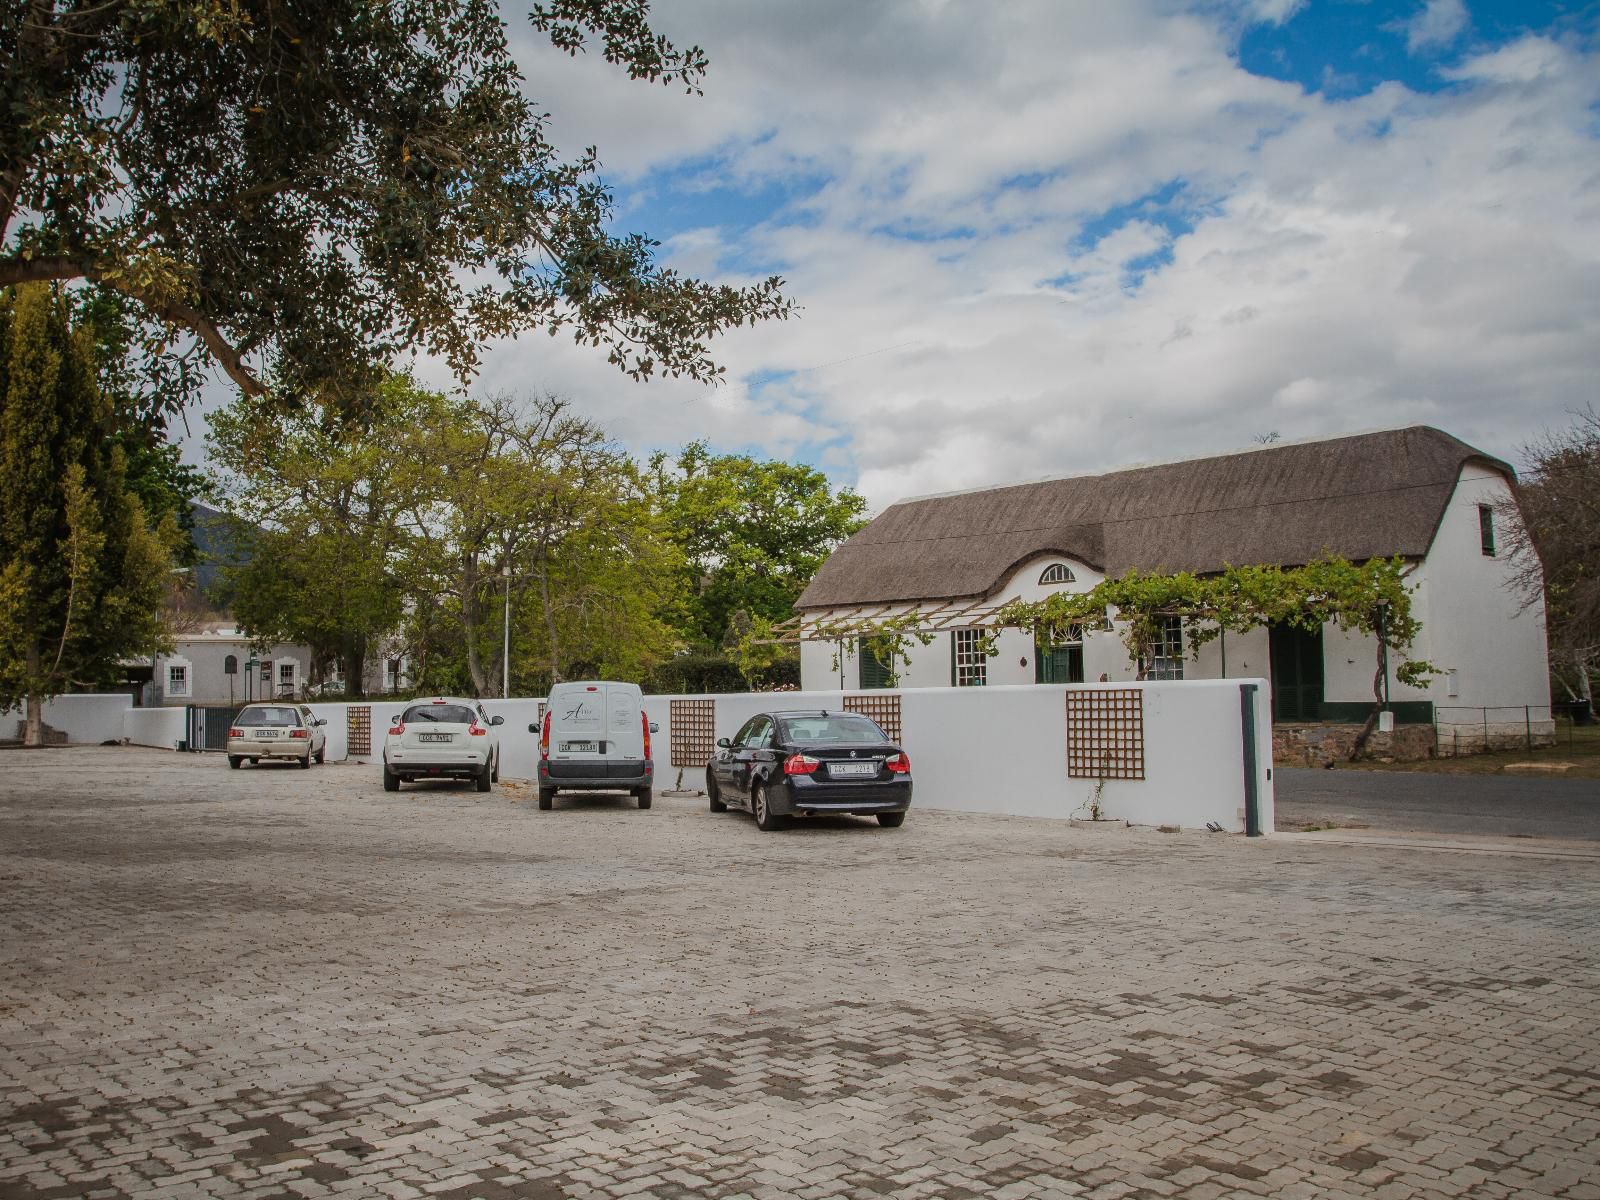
505, 662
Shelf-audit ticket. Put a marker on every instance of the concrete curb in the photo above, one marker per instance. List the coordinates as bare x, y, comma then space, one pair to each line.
1458, 843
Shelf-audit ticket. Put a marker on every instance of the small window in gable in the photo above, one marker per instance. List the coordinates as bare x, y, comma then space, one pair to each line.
1486, 529
1057, 573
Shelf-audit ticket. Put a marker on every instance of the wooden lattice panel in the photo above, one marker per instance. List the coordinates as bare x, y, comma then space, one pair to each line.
882, 708
1105, 734
693, 725
360, 733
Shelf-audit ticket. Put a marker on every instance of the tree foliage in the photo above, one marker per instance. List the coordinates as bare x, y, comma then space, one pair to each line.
409, 533
322, 184
752, 533
82, 569
1552, 533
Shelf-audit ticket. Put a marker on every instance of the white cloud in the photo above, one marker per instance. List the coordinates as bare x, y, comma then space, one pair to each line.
1438, 24
1355, 263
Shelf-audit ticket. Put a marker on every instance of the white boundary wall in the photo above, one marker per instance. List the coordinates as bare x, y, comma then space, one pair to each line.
999, 750
86, 719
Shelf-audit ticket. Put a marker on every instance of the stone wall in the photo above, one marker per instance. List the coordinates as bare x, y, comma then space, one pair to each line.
1319, 745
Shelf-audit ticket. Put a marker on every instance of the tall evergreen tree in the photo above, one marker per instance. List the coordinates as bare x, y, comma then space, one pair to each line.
82, 572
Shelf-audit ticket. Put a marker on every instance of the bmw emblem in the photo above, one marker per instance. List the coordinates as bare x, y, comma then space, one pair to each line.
852, 754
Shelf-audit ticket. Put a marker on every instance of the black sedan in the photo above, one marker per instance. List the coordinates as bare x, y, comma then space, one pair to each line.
786, 764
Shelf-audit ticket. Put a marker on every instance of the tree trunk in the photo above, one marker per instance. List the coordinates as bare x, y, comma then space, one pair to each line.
353, 660
1371, 722
1580, 663
471, 620
550, 627
34, 733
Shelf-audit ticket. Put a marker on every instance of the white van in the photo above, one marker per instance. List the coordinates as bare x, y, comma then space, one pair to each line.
595, 737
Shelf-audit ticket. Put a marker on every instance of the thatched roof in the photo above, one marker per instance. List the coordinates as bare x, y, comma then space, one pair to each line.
1366, 496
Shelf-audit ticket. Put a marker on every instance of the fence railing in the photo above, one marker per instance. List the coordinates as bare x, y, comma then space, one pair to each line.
1478, 729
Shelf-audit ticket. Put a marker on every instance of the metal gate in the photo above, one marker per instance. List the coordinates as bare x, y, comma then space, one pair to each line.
208, 726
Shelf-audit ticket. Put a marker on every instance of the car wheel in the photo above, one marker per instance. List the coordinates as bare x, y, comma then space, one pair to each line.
485, 777
645, 796
766, 819
547, 799
234, 760
391, 781
891, 820
495, 778
714, 794
322, 755
305, 763
255, 762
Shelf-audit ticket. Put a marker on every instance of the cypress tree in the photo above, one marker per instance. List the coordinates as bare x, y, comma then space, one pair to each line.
82, 573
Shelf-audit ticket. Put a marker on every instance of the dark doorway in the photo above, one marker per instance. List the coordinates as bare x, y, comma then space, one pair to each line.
1058, 664
1296, 673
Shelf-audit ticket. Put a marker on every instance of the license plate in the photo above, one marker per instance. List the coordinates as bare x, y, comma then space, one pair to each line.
578, 747
266, 733
433, 737
856, 768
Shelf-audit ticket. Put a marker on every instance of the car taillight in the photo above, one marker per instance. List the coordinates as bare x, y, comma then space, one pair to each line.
801, 764
299, 733
477, 730
900, 763
235, 733
398, 729
644, 719
544, 736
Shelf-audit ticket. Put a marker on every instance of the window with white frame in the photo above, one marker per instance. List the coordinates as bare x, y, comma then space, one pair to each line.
1167, 659
1057, 573
971, 665
177, 679
286, 676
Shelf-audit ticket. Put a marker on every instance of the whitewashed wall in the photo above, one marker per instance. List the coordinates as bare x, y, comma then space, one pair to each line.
85, 719
163, 727
1004, 750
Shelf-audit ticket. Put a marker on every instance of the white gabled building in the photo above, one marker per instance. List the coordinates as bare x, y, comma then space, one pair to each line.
1418, 493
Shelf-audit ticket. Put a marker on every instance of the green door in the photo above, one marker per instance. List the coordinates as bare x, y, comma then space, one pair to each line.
1296, 674
1058, 664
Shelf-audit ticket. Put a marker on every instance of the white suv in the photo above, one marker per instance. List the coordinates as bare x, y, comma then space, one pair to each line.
443, 738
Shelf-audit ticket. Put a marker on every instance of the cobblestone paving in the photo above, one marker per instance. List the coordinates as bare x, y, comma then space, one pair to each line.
282, 983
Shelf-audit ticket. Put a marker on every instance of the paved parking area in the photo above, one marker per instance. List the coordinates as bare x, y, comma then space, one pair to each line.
286, 983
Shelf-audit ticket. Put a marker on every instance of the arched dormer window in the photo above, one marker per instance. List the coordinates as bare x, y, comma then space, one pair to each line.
1057, 573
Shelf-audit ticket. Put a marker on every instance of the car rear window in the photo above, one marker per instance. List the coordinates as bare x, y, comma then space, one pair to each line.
449, 714
821, 730
269, 716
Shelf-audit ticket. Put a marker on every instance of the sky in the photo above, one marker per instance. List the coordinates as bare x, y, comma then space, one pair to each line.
1044, 237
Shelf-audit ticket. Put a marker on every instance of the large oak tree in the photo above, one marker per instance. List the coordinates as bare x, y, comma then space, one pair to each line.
316, 185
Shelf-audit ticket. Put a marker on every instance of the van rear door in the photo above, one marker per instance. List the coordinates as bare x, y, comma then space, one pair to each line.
624, 733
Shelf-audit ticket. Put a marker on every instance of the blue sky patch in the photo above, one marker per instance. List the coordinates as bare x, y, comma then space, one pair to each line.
1342, 48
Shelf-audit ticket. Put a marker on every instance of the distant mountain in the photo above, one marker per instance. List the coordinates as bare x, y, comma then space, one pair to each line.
221, 541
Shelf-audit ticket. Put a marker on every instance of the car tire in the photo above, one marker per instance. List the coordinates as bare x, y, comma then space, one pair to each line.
255, 762
484, 778
645, 796
495, 778
391, 781
234, 760
714, 794
547, 799
305, 763
322, 756
891, 820
766, 819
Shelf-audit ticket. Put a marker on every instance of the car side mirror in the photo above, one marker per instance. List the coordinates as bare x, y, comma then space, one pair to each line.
322, 720
654, 728
394, 720
497, 720
533, 728
724, 743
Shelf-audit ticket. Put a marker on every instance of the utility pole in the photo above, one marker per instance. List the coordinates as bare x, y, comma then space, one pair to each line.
505, 663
